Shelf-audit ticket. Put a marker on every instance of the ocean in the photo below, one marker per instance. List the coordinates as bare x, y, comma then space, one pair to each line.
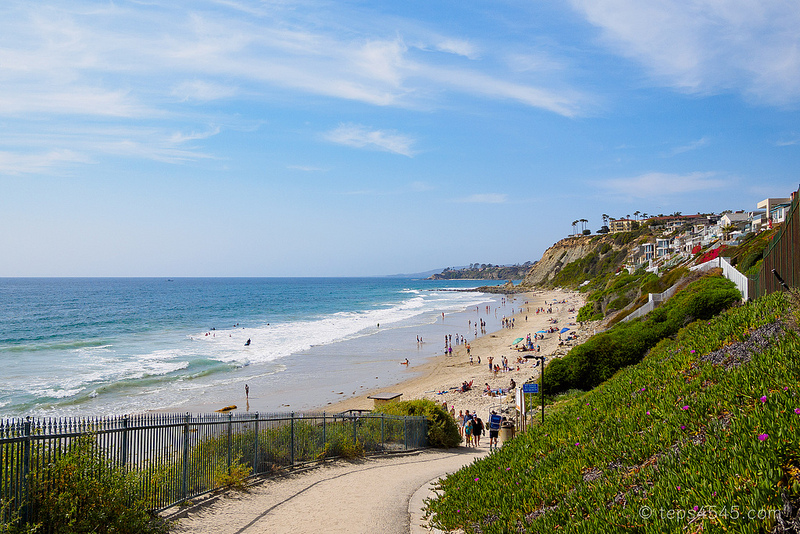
107, 346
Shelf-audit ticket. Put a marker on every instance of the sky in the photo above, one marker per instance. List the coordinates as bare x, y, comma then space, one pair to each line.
347, 138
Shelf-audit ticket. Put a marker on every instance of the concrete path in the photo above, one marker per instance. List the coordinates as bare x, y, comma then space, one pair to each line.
375, 494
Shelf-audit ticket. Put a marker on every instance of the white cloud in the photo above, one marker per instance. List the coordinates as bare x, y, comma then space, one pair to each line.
788, 142
658, 184
16, 163
751, 46
485, 198
358, 136
179, 138
459, 47
563, 102
694, 145
201, 91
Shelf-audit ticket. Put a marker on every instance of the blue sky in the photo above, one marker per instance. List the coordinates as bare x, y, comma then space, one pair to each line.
315, 138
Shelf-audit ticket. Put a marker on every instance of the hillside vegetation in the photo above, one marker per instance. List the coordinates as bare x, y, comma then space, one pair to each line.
700, 436
596, 360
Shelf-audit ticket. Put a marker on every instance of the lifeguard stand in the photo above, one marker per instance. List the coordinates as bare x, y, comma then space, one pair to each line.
384, 398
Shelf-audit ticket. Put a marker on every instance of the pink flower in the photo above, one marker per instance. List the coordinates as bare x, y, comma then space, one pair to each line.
684, 407
797, 411
578, 444
763, 398
683, 427
648, 412
642, 389
763, 437
477, 479
679, 488
692, 351
695, 508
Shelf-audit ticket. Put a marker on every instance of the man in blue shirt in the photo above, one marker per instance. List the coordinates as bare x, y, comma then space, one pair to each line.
494, 429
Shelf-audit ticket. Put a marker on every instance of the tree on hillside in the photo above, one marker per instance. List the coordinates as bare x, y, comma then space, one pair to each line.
636, 214
727, 230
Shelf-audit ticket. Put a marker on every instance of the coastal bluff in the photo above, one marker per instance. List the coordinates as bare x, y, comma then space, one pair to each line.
566, 251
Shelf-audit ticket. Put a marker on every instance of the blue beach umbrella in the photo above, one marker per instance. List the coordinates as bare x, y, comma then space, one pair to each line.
564, 330
542, 332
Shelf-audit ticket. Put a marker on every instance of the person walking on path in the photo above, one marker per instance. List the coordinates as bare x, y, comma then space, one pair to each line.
494, 429
477, 430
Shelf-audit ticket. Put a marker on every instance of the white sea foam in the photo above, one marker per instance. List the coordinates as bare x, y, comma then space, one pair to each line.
270, 342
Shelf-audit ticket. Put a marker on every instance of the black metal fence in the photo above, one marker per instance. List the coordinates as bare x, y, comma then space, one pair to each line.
180, 456
782, 255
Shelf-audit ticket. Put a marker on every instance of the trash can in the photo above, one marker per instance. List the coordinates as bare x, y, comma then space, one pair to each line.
506, 432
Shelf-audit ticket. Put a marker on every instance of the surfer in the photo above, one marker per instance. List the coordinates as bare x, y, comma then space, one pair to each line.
404, 362
247, 343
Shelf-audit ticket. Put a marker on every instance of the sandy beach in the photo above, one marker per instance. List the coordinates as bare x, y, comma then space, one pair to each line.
438, 377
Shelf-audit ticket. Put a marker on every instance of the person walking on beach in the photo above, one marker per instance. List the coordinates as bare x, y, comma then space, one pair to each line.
494, 429
247, 392
490, 363
460, 422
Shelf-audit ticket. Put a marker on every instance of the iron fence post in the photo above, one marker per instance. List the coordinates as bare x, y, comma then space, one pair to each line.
291, 445
230, 441
255, 445
26, 469
405, 432
383, 438
324, 433
124, 459
354, 430
185, 488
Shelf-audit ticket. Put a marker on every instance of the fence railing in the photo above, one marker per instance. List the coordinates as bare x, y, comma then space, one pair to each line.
653, 300
782, 255
180, 456
728, 271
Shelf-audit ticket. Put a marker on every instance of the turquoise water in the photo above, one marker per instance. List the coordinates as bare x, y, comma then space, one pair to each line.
111, 346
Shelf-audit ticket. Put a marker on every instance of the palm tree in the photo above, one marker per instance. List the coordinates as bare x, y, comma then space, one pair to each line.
583, 225
574, 224
636, 214
727, 231
605, 219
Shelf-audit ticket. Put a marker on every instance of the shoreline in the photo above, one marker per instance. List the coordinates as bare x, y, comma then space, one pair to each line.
439, 375
443, 372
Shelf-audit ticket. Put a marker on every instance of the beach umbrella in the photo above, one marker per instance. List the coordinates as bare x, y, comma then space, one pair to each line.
564, 329
517, 340
542, 332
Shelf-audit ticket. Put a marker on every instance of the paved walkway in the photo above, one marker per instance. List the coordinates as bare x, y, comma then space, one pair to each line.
375, 494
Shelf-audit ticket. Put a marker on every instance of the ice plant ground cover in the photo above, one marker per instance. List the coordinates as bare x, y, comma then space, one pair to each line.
701, 435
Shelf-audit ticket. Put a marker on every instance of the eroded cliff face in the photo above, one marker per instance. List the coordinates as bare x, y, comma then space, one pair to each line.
563, 253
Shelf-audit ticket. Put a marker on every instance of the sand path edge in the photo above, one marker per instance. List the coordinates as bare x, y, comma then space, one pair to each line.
373, 494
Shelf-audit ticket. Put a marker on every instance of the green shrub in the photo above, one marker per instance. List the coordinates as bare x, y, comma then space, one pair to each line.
80, 491
442, 428
597, 359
